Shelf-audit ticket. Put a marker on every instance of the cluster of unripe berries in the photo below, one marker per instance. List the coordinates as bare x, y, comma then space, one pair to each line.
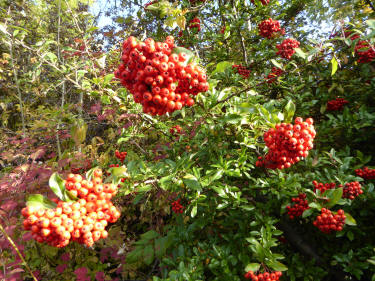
364, 51
323, 186
195, 24
177, 208
121, 155
275, 72
351, 190
336, 104
83, 221
300, 205
241, 70
268, 28
327, 222
264, 2
366, 173
263, 276
287, 143
159, 79
286, 48
175, 130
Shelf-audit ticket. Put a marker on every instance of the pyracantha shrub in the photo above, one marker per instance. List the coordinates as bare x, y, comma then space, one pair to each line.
300, 204
159, 76
194, 24
336, 104
177, 208
242, 70
352, 190
364, 51
327, 222
287, 144
269, 28
366, 173
121, 155
275, 72
286, 48
263, 276
83, 221
323, 186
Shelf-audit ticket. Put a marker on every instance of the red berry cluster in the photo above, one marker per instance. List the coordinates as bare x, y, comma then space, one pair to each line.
287, 143
83, 221
352, 190
222, 30
351, 35
149, 4
158, 78
121, 155
328, 222
275, 72
364, 51
175, 130
286, 48
263, 276
177, 208
336, 104
242, 70
195, 25
300, 205
269, 28
264, 2
366, 173
323, 186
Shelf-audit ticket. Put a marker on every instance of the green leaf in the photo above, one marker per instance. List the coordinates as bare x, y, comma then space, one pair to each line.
39, 201
334, 66
371, 23
289, 110
307, 213
252, 267
315, 205
134, 256
349, 219
119, 172
108, 78
56, 184
221, 67
181, 22
300, 53
194, 211
191, 182
276, 265
275, 63
334, 196
149, 235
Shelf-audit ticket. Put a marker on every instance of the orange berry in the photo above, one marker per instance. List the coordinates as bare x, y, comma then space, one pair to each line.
82, 202
78, 224
45, 232
50, 214
32, 219
76, 233
96, 235
97, 181
98, 188
66, 235
104, 234
40, 213
43, 222
58, 211
91, 207
56, 221
98, 226
76, 206
77, 178
91, 197
83, 192
98, 173
83, 211
75, 215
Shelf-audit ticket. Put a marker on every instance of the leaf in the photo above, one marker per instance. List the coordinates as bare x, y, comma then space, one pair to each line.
39, 201
252, 267
334, 66
108, 78
371, 23
307, 213
221, 67
194, 211
149, 235
275, 63
134, 256
289, 110
191, 182
119, 172
181, 22
300, 53
276, 265
334, 196
349, 219
56, 184
89, 173
315, 205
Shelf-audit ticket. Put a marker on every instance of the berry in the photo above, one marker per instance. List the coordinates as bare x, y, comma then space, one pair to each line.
264, 2
175, 130
336, 104
177, 208
287, 144
194, 25
323, 186
352, 190
300, 205
121, 155
366, 173
275, 72
286, 48
269, 28
327, 222
273, 276
242, 70
364, 51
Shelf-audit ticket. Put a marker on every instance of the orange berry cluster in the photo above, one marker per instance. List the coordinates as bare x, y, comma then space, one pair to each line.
195, 24
242, 70
364, 51
300, 205
336, 104
352, 190
275, 72
287, 143
177, 208
264, 2
157, 78
83, 221
366, 173
327, 222
323, 186
286, 48
175, 130
121, 155
263, 276
269, 28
